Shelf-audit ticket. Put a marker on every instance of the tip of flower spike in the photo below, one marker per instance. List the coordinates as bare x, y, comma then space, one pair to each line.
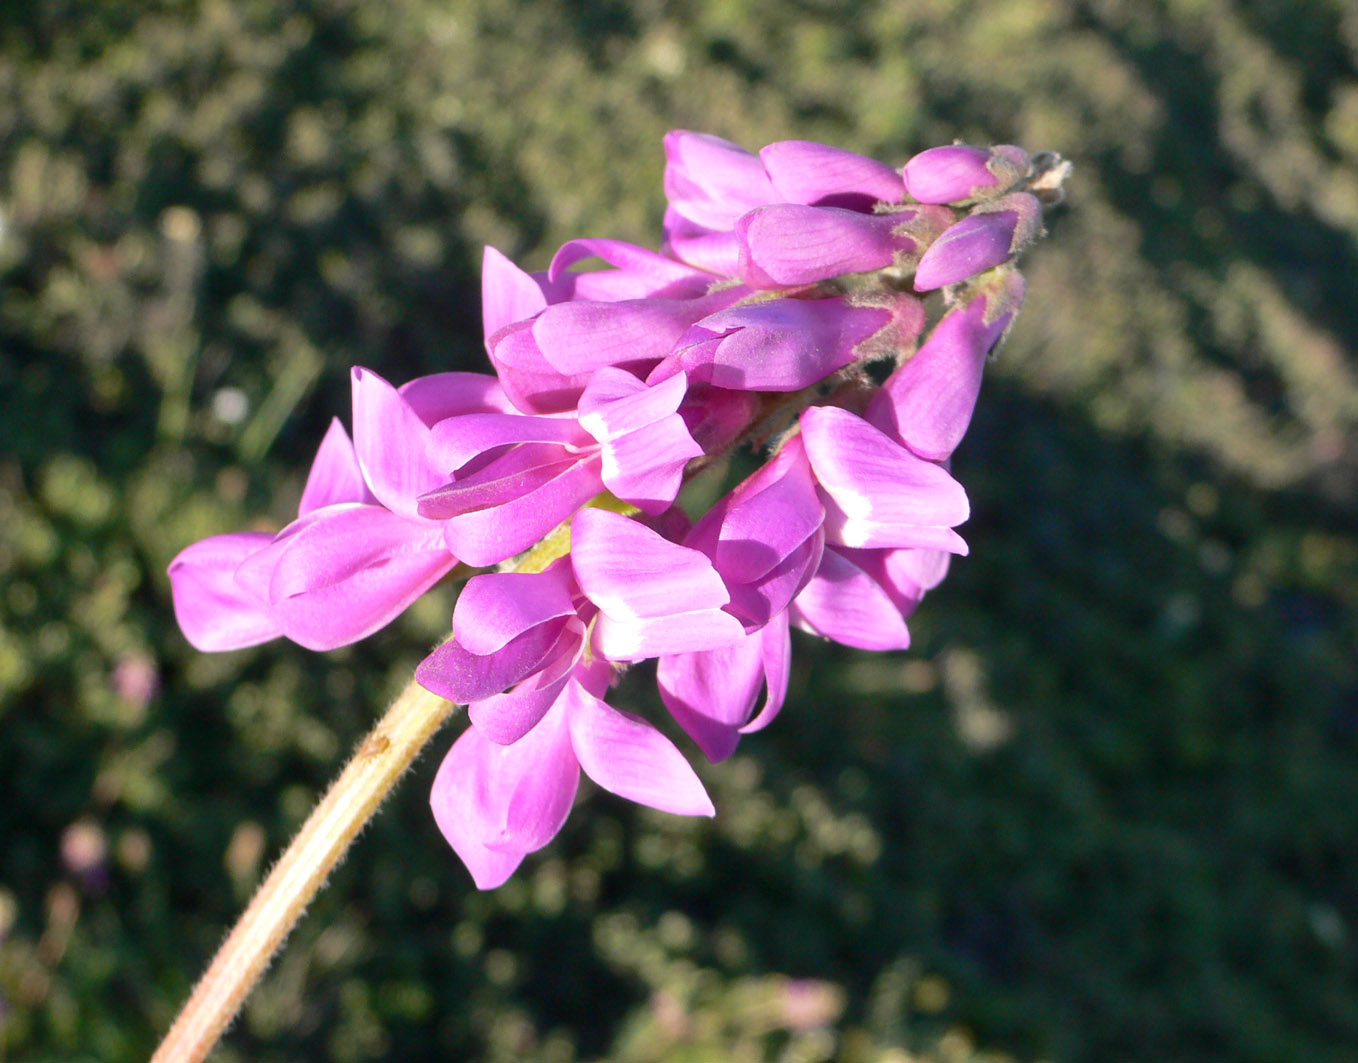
957, 173
1050, 172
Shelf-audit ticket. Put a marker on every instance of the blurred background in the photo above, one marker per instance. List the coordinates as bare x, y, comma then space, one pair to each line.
1106, 808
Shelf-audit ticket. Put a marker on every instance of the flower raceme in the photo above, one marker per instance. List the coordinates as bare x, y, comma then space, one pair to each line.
783, 279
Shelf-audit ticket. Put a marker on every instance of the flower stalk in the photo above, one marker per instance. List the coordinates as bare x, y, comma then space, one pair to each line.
380, 759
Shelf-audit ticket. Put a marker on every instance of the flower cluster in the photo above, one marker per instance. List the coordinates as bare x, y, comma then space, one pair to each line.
786, 279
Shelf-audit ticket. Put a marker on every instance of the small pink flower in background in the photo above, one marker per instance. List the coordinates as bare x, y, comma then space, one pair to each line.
84, 854
789, 282
136, 679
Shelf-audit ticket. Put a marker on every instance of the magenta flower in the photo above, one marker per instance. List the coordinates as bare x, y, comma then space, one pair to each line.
786, 245
546, 333
789, 283
359, 552
711, 183
654, 596
712, 694
497, 803
779, 345
515, 477
765, 538
875, 492
517, 638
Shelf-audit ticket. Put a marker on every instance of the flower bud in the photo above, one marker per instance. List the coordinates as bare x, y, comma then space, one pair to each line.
992, 234
958, 172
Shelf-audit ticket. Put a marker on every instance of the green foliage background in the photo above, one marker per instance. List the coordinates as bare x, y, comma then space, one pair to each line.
1105, 809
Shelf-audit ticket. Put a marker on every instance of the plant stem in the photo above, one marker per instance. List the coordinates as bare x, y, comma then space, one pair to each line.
377, 763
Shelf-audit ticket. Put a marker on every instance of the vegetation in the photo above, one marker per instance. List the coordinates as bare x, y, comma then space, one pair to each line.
1105, 808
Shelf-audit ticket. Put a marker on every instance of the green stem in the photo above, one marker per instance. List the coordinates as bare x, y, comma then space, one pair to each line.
378, 762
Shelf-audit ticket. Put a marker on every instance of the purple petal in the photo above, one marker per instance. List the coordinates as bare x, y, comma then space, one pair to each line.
581, 337
757, 602
440, 395
872, 478
785, 245
764, 537
498, 606
639, 273
845, 604
780, 345
616, 402
508, 294
214, 611
335, 616
715, 252
841, 529
335, 475
905, 574
456, 440
763, 520
488, 535
631, 572
654, 596
711, 181
804, 172
391, 440
496, 803
645, 444
928, 402
505, 718
503, 478
458, 675
918, 570
532, 384
777, 669
341, 573
958, 172
712, 694
508, 716
628, 757
329, 546
975, 243
948, 174
626, 639
646, 468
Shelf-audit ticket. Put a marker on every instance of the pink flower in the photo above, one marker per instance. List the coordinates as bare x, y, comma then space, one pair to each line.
779, 345
654, 596
788, 283
496, 803
546, 333
359, 552
992, 234
517, 638
515, 478
711, 184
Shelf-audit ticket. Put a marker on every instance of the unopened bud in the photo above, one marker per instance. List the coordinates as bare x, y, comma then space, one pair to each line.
993, 233
958, 173
928, 402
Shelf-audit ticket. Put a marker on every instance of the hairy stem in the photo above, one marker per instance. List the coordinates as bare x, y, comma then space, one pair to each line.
377, 763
